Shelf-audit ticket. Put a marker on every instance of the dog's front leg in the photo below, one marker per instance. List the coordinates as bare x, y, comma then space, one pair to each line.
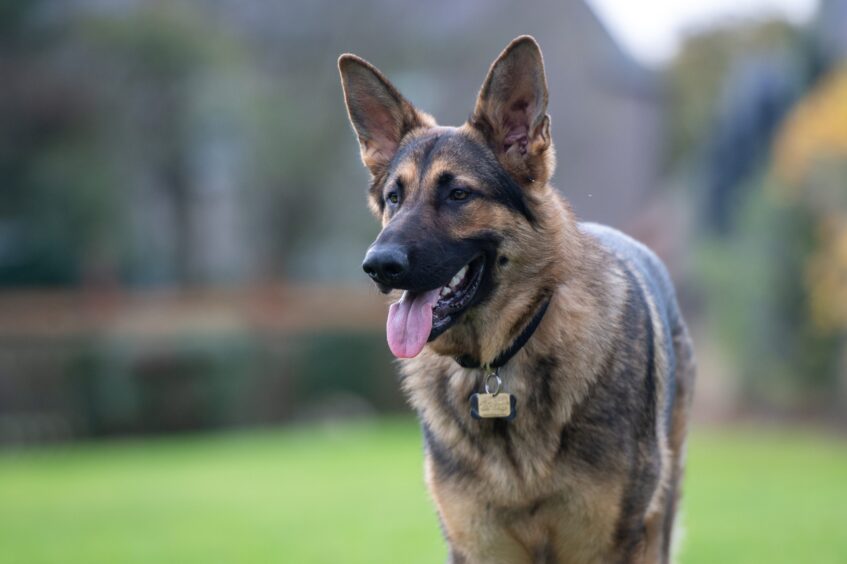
503, 549
473, 535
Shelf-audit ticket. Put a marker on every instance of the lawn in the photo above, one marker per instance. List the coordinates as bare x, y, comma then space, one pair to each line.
355, 495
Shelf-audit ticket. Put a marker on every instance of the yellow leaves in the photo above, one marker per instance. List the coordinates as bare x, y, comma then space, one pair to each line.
815, 130
810, 157
826, 276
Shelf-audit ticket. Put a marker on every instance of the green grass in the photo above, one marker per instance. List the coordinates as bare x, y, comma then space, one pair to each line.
356, 495
765, 497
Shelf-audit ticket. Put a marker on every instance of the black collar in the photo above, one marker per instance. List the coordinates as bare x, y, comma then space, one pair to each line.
467, 361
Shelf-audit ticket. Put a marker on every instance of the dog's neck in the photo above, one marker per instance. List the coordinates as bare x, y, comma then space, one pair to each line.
467, 361
556, 259
585, 294
564, 265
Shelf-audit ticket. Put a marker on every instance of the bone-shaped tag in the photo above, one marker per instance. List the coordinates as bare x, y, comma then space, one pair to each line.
493, 406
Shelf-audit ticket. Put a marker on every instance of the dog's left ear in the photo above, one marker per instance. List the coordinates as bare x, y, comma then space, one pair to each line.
380, 115
511, 112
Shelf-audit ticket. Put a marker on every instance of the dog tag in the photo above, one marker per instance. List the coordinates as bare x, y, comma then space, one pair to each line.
493, 406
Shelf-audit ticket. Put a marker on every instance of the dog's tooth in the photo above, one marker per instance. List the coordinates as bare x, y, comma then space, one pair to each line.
444, 291
461, 273
456, 279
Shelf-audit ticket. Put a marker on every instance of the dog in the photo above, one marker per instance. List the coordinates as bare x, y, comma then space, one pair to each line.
547, 359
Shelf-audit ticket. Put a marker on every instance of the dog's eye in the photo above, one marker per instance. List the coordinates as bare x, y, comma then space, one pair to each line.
459, 194
393, 197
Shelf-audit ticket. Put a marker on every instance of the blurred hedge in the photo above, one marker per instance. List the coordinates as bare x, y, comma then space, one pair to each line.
97, 387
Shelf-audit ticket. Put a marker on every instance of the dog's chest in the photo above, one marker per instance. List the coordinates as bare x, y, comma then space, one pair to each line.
509, 459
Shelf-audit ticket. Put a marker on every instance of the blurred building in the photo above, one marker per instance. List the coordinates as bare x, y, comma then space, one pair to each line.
211, 145
184, 178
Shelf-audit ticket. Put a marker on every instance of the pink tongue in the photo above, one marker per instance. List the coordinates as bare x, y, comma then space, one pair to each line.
409, 323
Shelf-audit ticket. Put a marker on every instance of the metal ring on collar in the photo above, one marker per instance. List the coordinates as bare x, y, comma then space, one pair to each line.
498, 381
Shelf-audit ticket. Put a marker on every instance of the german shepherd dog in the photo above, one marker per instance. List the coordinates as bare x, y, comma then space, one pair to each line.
505, 293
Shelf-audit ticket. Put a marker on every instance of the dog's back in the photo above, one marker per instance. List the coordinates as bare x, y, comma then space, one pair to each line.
651, 276
672, 341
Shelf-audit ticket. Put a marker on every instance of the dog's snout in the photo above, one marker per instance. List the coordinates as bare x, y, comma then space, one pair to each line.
386, 264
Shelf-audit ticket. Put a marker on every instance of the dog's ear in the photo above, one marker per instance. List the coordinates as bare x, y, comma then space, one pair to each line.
380, 115
511, 112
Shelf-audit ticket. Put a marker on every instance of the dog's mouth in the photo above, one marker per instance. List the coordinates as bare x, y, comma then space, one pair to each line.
420, 317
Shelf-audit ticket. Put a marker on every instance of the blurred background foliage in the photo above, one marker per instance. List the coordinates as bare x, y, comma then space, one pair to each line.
162, 149
182, 218
764, 106
182, 211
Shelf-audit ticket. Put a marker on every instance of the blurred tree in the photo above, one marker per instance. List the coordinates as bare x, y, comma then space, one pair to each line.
55, 202
768, 263
151, 62
206, 143
811, 159
698, 75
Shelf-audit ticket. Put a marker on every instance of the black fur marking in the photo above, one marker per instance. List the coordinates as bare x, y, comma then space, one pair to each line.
446, 465
455, 557
445, 178
540, 400
533, 509
602, 411
659, 286
375, 190
544, 555
500, 429
429, 147
645, 471
575, 445
450, 409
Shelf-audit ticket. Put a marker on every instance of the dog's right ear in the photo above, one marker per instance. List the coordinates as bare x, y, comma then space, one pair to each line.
511, 112
380, 115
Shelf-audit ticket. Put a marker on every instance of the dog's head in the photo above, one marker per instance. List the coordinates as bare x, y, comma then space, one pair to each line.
459, 206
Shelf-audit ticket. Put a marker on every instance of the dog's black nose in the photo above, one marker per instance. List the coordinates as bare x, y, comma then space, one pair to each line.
386, 264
